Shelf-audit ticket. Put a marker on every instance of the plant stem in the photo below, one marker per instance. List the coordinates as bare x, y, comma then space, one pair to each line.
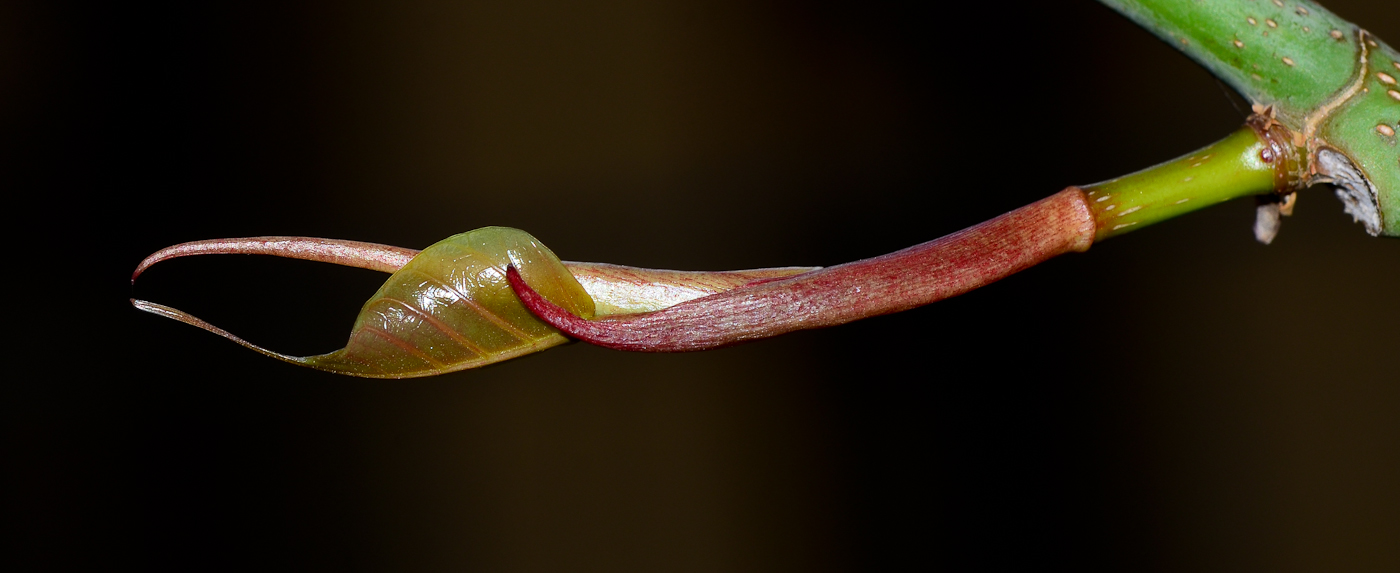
1329, 81
1251, 161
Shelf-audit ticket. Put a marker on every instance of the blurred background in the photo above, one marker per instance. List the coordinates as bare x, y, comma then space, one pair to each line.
1176, 398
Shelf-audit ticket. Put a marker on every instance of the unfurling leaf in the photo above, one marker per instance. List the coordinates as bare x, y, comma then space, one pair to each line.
447, 309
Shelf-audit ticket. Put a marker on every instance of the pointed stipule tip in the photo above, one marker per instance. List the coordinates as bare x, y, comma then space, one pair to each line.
146, 263
550, 313
522, 289
517, 284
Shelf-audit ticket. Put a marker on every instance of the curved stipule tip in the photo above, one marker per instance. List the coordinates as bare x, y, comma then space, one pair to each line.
372, 256
187, 318
549, 312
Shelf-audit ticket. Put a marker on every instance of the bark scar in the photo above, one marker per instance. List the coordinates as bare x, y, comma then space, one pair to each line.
1327, 164
1313, 122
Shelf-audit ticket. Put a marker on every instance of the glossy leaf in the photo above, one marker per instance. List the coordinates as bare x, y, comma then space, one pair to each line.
449, 308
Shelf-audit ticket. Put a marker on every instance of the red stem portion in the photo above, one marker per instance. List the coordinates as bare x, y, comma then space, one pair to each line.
372, 256
902, 280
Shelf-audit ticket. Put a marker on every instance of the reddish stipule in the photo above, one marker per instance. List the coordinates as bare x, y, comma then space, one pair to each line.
918, 275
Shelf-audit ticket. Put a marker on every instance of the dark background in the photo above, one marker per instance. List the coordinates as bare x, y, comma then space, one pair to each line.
1176, 398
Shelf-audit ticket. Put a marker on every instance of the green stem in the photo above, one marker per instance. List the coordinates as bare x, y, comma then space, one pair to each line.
1245, 163
1329, 81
